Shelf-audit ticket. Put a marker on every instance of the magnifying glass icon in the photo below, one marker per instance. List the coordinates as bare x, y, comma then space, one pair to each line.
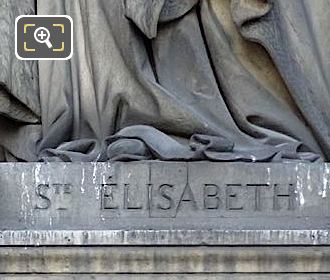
42, 35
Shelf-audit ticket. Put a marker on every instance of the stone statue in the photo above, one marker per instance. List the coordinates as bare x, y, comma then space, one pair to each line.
224, 80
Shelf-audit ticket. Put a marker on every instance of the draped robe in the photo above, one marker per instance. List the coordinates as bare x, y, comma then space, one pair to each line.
180, 80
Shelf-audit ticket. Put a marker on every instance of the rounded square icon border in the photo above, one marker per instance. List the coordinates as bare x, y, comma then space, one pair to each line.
34, 16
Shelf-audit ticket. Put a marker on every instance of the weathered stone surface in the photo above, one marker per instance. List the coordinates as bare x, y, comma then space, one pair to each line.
164, 260
157, 203
249, 276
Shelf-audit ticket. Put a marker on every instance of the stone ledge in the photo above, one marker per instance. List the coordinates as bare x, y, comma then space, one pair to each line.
165, 237
250, 276
164, 260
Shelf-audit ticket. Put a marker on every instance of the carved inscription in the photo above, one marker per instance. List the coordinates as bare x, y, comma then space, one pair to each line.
57, 195
175, 191
169, 201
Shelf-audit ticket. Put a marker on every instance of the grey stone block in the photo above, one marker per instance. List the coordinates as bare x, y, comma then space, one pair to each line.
158, 203
164, 260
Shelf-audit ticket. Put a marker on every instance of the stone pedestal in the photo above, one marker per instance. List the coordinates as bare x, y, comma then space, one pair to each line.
197, 220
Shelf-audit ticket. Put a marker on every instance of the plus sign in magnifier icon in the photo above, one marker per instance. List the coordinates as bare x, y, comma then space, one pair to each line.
42, 36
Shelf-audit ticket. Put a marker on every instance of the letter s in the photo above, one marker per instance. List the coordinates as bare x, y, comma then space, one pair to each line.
162, 191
